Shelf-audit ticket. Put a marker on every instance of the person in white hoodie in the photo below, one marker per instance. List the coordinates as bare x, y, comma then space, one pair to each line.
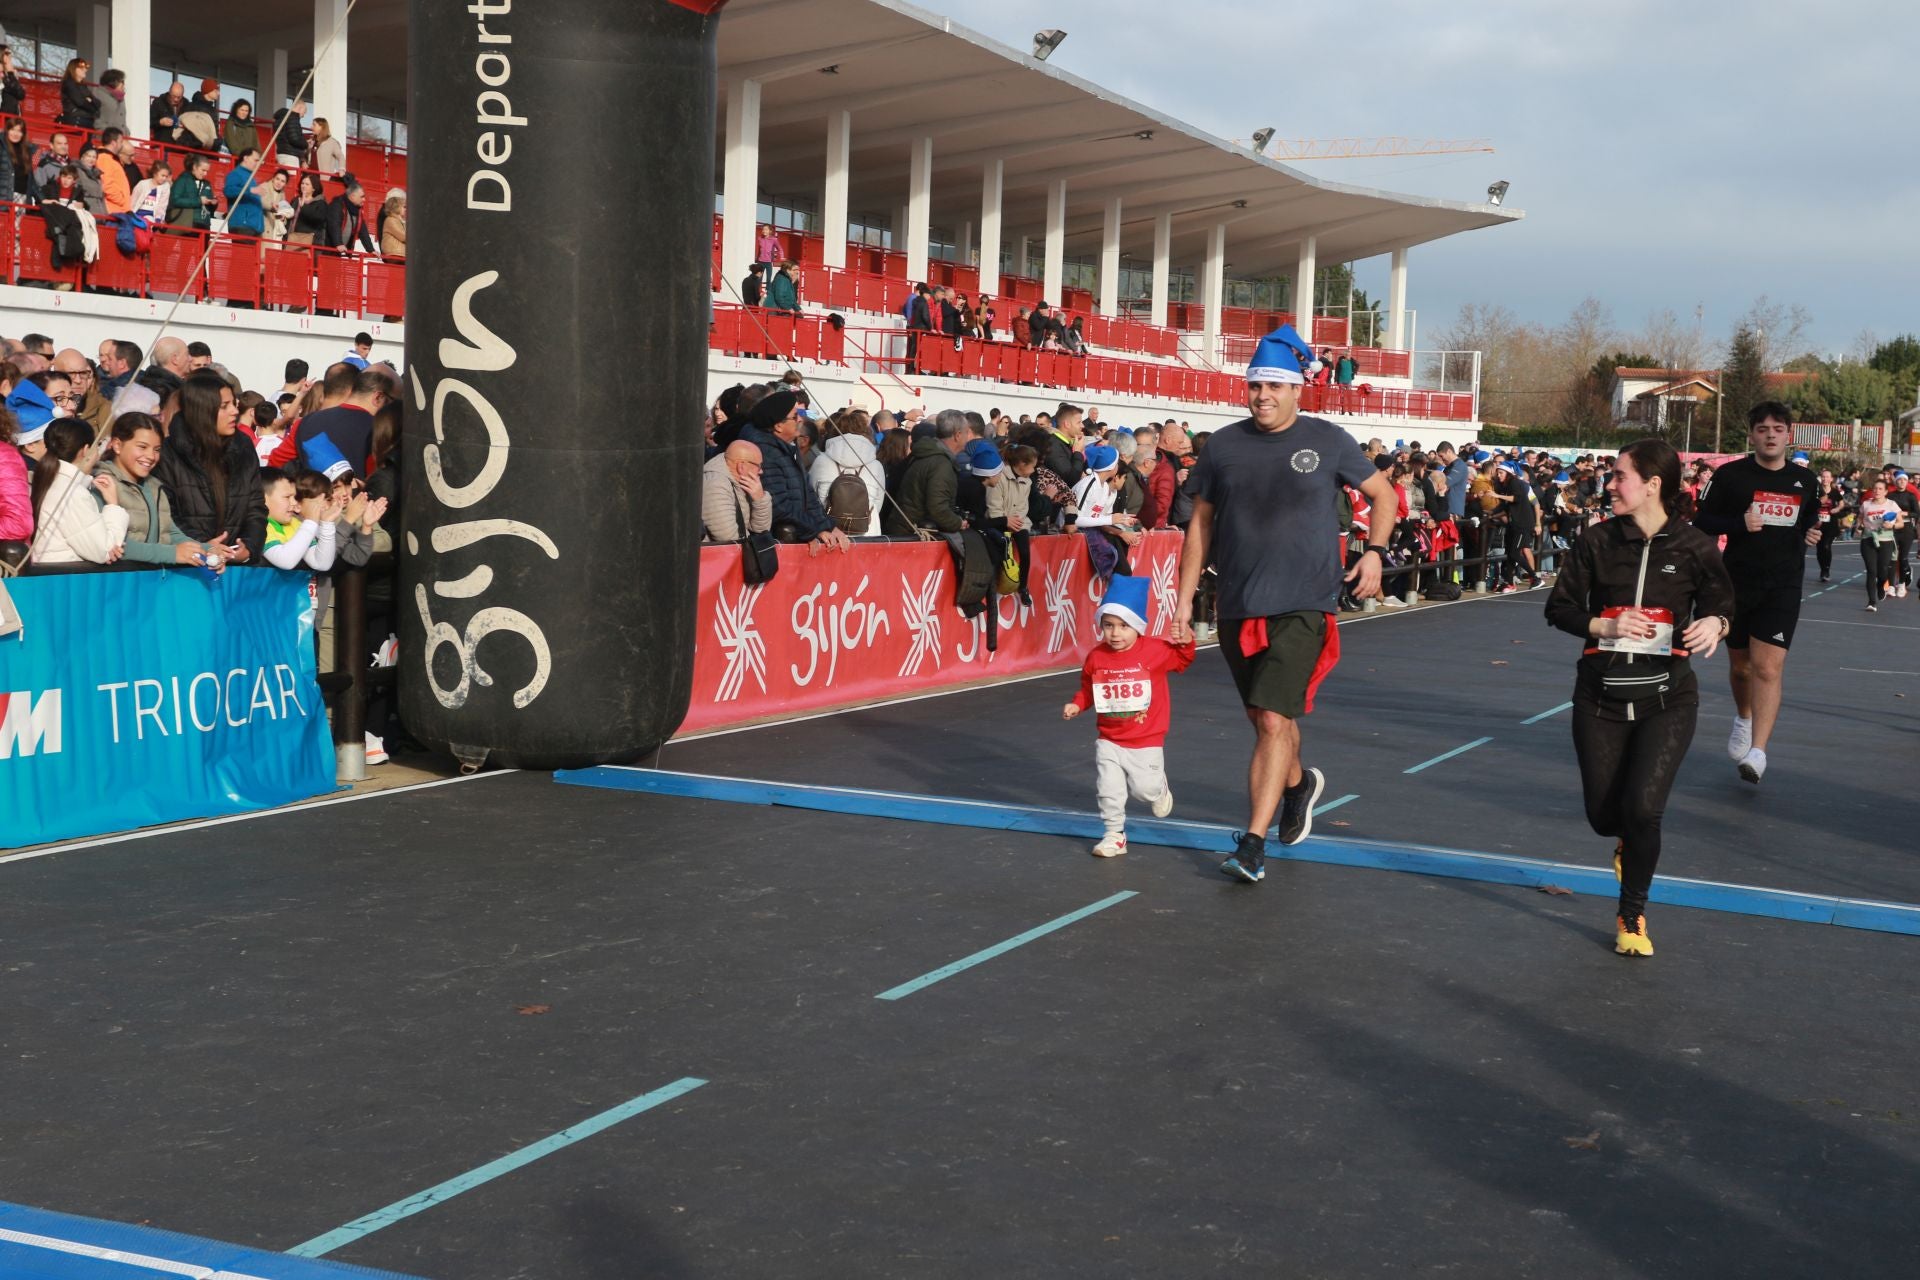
77, 515
849, 450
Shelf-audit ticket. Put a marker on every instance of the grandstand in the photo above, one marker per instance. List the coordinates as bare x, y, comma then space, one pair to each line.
843, 126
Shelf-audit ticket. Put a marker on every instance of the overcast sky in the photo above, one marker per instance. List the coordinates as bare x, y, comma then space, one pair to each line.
1667, 155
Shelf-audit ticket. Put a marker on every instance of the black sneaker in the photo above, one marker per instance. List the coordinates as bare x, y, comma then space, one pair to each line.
1296, 807
1249, 860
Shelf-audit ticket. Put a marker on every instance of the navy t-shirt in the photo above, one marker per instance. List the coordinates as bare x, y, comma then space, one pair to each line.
1276, 536
348, 426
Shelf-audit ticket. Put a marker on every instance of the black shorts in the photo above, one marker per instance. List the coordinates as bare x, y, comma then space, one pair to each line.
1766, 614
1283, 677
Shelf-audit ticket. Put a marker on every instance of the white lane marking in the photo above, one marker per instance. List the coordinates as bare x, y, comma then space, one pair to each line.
1878, 626
203, 823
1869, 671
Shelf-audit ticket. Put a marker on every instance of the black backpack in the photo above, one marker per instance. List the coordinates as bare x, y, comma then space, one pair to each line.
848, 503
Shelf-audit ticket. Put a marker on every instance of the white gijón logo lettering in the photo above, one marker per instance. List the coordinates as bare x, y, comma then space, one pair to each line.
480, 351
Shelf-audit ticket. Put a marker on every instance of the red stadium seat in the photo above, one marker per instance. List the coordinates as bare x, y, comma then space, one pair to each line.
172, 262
234, 270
337, 282
386, 287
289, 277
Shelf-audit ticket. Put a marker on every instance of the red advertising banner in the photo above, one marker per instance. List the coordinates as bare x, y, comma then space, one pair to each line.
879, 622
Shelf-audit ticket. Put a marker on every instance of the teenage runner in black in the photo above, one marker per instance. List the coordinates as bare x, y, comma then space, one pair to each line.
1646, 591
1264, 495
1834, 507
1767, 510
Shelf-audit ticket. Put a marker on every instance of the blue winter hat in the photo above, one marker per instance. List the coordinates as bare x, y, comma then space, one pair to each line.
324, 456
1102, 457
1482, 456
1562, 478
983, 459
32, 410
1126, 599
1281, 357
1800, 457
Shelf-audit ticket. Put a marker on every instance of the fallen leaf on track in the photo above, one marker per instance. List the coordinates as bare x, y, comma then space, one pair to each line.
1499, 662
1557, 890
532, 1010
1589, 1143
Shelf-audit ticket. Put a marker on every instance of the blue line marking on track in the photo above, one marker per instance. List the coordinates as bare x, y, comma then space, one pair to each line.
1448, 755
452, 1187
1331, 805
1001, 948
1464, 864
1547, 715
60, 1246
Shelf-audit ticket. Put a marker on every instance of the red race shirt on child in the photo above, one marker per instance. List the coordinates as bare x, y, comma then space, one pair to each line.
1128, 691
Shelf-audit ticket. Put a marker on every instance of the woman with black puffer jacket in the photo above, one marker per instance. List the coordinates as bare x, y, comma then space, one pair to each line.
1647, 592
211, 472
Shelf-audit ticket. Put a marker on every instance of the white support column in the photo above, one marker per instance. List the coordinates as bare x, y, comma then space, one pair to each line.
132, 40
1162, 266
919, 207
900, 216
740, 195
270, 84
1397, 302
93, 33
1025, 257
1303, 291
992, 180
1110, 260
1054, 275
963, 247
329, 92
1214, 290
833, 205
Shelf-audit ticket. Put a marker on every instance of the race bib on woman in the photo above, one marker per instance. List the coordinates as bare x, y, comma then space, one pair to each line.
1659, 645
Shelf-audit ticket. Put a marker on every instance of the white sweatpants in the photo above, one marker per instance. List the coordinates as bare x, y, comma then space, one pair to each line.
1120, 771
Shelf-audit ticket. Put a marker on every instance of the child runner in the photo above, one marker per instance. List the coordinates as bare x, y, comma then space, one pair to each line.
1124, 680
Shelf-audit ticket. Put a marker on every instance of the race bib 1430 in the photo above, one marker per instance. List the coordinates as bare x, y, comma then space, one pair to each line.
1777, 508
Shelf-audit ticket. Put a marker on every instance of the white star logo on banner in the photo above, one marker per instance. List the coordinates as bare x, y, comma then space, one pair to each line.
1163, 573
922, 610
1060, 611
740, 640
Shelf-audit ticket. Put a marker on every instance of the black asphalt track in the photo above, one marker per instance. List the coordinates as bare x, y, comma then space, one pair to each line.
263, 1030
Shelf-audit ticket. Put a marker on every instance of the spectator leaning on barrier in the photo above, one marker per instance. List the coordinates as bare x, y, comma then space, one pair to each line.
783, 291
210, 472
325, 154
346, 221
348, 423
798, 516
848, 450
164, 120
240, 135
78, 105
733, 502
152, 536
76, 515
929, 486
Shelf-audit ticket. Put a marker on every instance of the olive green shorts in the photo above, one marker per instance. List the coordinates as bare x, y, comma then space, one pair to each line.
1283, 676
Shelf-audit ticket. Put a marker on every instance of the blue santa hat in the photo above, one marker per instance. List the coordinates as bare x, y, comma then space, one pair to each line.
32, 409
1102, 457
324, 456
1799, 457
983, 459
1482, 456
1282, 356
1126, 599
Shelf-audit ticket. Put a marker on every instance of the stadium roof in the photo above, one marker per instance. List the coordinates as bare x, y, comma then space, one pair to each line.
905, 73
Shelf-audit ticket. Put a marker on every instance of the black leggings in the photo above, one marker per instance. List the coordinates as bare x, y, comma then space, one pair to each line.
1903, 551
1626, 772
1879, 561
1824, 552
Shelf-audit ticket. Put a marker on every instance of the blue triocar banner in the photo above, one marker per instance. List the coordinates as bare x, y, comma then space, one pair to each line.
136, 698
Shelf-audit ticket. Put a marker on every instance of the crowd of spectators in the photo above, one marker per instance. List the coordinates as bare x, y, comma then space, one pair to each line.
90, 184
127, 459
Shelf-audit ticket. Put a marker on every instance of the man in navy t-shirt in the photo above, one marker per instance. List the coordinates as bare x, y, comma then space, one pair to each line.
1264, 496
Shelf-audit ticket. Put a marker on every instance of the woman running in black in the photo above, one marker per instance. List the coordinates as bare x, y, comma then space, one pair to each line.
1646, 591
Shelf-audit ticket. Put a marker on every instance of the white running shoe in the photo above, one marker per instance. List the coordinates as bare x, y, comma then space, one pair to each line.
1742, 740
376, 750
1393, 602
1754, 767
1163, 803
1111, 846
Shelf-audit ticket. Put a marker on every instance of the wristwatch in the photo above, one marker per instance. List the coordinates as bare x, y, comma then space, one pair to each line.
1379, 551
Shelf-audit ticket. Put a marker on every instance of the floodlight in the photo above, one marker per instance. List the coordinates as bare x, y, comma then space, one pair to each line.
1497, 192
1261, 137
1045, 42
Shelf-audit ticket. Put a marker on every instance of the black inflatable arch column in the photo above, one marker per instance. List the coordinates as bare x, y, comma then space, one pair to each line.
560, 204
